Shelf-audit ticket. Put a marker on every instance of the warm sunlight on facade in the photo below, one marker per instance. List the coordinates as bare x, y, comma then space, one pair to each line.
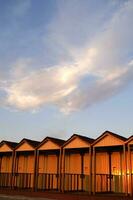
78, 164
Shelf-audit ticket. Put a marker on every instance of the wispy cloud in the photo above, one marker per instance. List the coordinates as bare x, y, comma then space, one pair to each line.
89, 67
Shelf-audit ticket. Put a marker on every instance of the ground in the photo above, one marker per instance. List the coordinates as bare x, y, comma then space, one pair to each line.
30, 195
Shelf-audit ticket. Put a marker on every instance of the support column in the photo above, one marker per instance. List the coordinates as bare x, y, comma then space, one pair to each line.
90, 180
13, 155
60, 169
94, 173
121, 173
0, 163
130, 170
36, 154
63, 171
125, 170
110, 172
14, 168
82, 171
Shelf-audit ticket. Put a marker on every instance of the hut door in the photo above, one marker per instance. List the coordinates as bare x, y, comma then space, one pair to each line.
110, 176
102, 172
25, 170
116, 165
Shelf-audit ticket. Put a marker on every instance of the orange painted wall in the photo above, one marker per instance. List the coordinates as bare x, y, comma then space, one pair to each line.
117, 169
73, 163
26, 163
109, 140
102, 166
6, 164
128, 172
47, 164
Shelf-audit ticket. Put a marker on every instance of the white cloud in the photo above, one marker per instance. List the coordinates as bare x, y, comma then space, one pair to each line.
105, 60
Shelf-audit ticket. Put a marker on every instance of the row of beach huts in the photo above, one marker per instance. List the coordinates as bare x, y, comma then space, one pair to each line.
103, 165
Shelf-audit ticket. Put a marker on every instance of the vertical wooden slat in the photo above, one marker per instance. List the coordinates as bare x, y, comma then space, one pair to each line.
36, 170
82, 170
130, 170
110, 172
90, 175
11, 181
94, 173
14, 169
0, 162
63, 170
125, 169
121, 175
60, 169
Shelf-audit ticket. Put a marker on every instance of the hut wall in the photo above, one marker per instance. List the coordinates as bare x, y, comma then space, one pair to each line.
102, 171
47, 178
6, 164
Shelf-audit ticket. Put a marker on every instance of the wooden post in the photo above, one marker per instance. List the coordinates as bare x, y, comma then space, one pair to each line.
125, 169
130, 168
14, 169
82, 171
13, 155
110, 173
36, 154
63, 171
121, 175
0, 162
60, 169
90, 180
94, 173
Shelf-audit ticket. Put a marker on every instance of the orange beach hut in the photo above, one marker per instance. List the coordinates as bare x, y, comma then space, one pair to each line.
129, 165
6, 163
48, 164
76, 164
25, 164
109, 163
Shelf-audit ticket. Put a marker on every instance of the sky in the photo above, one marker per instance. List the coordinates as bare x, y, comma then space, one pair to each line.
65, 67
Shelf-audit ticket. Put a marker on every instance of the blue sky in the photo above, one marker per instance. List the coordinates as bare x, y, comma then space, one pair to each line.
65, 67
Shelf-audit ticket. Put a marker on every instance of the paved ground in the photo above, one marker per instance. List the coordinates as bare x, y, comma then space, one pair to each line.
30, 195
7, 197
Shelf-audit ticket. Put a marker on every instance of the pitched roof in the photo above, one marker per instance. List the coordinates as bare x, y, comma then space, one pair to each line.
111, 133
82, 137
12, 145
129, 139
57, 141
33, 143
